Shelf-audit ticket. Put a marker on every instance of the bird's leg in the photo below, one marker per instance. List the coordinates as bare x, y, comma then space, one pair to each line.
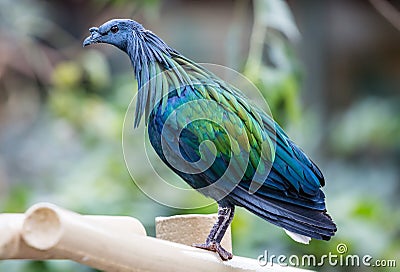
213, 241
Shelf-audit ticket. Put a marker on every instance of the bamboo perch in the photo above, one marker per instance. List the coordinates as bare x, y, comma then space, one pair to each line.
105, 242
13, 246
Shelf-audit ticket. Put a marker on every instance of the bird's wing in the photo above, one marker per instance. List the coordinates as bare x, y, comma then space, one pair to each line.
293, 177
260, 156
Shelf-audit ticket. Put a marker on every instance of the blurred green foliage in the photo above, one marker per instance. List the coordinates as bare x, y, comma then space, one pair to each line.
67, 148
272, 63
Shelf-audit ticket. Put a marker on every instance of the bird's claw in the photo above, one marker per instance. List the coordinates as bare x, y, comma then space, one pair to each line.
216, 247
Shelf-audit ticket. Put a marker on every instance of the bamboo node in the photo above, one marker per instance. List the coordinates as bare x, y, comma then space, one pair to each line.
42, 227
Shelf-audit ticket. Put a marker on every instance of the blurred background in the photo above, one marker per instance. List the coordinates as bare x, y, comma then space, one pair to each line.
330, 71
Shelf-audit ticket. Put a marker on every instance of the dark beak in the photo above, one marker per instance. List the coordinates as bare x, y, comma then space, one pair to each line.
94, 37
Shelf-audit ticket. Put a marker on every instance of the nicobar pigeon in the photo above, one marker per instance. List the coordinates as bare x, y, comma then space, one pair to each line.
210, 134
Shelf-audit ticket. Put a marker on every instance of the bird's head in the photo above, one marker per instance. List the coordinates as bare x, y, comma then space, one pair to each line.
117, 32
142, 45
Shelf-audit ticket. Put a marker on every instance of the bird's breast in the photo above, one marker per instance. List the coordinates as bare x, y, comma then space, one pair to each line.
184, 136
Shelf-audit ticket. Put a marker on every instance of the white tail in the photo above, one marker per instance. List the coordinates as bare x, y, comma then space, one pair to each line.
298, 237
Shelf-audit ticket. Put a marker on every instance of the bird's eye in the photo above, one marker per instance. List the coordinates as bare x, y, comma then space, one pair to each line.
114, 29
